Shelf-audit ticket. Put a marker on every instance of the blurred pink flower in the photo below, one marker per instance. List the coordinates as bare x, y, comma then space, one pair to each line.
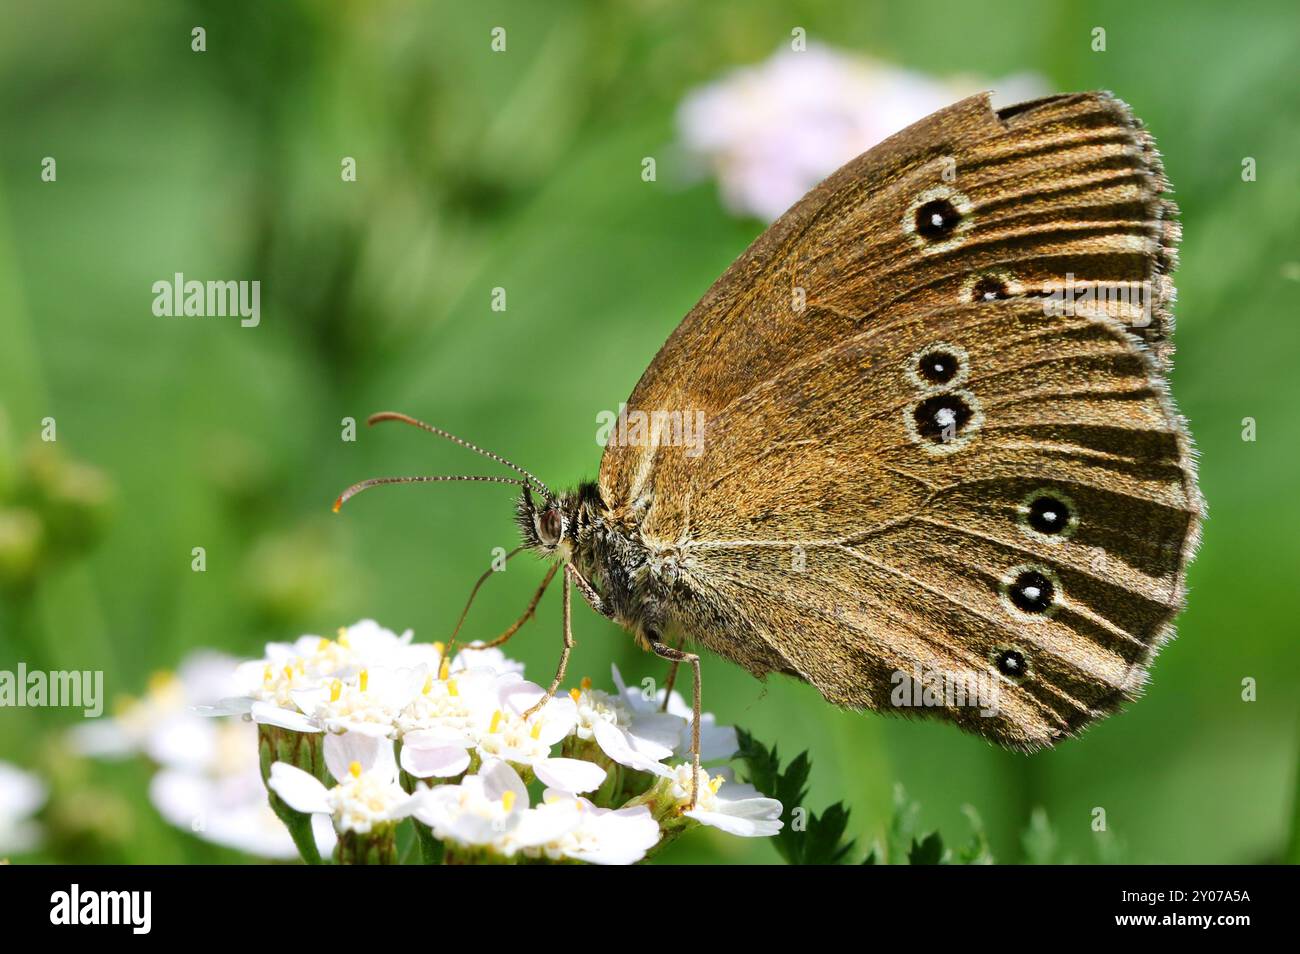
771, 132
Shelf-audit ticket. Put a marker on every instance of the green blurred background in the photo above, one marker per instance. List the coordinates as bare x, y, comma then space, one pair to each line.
522, 170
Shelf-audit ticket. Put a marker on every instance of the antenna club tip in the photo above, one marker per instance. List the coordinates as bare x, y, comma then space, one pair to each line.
338, 504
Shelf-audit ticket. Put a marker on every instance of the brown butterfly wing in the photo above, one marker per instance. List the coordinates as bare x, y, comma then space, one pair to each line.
840, 528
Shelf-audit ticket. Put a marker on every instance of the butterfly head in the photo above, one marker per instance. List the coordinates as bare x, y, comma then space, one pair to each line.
547, 522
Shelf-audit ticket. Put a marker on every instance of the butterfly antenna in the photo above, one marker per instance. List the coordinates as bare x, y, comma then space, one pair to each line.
414, 422
376, 481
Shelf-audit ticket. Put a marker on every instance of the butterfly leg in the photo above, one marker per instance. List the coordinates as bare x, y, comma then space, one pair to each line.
564, 653
669, 683
532, 608
589, 592
676, 656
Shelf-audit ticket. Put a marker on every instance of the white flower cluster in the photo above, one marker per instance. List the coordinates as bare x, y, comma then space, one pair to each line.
454, 743
208, 781
771, 132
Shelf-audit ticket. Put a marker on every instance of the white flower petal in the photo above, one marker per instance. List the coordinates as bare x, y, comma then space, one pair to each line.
569, 775
656, 734
437, 761
615, 743
748, 818
500, 777
545, 824
231, 705
619, 837
372, 753
716, 741
300, 791
267, 714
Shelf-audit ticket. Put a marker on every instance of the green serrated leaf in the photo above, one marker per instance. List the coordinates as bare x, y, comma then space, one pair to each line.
928, 851
806, 838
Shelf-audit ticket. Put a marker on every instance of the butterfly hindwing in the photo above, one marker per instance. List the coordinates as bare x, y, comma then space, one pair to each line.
886, 546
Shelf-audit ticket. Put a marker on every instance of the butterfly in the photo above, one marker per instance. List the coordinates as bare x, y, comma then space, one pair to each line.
936, 435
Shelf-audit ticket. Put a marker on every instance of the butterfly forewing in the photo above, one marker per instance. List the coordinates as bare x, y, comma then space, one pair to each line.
922, 451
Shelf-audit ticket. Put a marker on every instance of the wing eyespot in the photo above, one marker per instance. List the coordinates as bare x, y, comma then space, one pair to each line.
991, 286
945, 421
1031, 591
1012, 664
938, 218
938, 365
1049, 515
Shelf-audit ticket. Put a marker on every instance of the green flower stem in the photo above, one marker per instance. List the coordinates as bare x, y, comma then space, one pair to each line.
299, 825
302, 750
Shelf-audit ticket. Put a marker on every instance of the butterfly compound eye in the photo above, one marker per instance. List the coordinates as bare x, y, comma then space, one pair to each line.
550, 526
